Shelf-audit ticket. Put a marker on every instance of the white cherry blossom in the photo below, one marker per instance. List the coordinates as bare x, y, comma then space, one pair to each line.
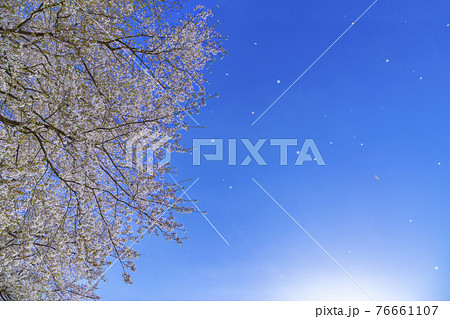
77, 79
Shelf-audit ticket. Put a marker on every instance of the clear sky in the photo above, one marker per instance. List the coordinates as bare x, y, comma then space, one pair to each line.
377, 105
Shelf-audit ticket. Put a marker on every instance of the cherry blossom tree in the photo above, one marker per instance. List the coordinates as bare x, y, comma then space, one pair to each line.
78, 78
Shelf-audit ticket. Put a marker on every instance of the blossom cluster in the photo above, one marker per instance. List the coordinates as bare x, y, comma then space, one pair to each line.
77, 80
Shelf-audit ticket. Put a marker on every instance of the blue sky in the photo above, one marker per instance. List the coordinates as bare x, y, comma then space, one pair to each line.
377, 103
